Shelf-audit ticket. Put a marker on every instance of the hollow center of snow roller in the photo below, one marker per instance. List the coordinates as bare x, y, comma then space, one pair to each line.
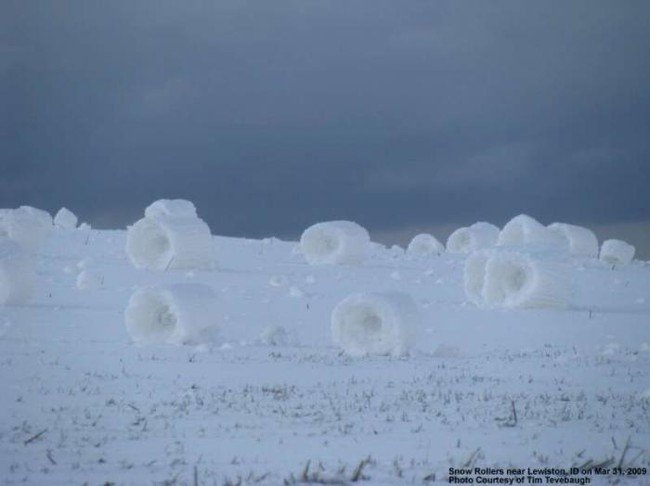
150, 245
165, 319
509, 280
516, 279
321, 243
363, 325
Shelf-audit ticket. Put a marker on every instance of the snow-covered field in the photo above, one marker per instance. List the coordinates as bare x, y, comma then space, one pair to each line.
271, 399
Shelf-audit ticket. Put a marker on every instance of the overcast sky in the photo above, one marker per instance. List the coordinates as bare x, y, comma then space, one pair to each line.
272, 115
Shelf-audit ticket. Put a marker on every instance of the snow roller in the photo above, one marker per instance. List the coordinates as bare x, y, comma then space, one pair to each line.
375, 323
26, 226
170, 239
579, 241
424, 244
335, 243
511, 280
617, 252
471, 238
524, 231
175, 314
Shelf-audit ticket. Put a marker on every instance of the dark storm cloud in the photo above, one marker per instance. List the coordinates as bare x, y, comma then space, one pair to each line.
272, 115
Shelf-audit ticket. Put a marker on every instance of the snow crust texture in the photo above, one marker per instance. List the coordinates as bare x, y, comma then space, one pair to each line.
424, 244
17, 275
616, 252
175, 314
475, 237
168, 242
375, 323
335, 243
65, 219
510, 279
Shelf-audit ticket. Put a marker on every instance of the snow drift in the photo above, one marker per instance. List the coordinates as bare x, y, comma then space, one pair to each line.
375, 323
176, 314
579, 241
335, 242
509, 279
524, 231
617, 252
472, 238
167, 242
65, 219
424, 244
17, 275
171, 207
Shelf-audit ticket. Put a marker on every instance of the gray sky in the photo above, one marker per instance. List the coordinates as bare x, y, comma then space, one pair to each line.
273, 115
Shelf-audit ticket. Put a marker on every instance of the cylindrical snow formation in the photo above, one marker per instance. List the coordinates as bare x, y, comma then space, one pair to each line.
26, 226
616, 252
65, 219
171, 207
40, 215
424, 244
508, 279
17, 275
167, 242
472, 238
580, 241
524, 231
516, 280
176, 314
335, 242
375, 323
